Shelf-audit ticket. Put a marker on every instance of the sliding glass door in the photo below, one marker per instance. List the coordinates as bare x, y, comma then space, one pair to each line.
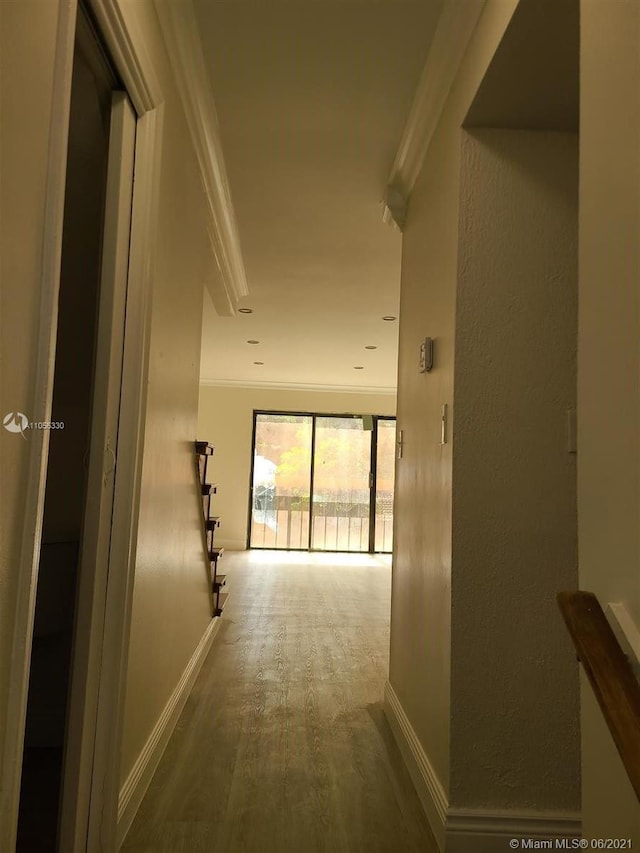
322, 482
341, 503
281, 481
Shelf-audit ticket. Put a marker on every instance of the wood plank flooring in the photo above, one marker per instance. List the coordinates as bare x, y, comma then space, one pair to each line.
283, 746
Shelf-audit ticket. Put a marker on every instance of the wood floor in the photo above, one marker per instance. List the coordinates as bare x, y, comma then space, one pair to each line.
283, 746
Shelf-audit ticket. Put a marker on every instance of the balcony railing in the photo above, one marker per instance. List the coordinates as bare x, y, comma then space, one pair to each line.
282, 521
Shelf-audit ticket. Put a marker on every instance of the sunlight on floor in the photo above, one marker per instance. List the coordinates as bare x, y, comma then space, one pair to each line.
314, 558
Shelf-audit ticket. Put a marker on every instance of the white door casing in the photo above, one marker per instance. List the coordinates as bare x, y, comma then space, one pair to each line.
125, 39
96, 535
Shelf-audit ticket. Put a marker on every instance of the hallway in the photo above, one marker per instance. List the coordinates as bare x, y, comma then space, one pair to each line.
283, 744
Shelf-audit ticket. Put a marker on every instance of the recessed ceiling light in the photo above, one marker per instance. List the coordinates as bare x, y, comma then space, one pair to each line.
370, 346
389, 318
258, 362
245, 310
253, 342
358, 367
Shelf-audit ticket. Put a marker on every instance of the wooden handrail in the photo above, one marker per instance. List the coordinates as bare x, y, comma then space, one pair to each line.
609, 672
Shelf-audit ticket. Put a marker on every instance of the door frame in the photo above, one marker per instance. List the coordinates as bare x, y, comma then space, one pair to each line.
372, 469
94, 825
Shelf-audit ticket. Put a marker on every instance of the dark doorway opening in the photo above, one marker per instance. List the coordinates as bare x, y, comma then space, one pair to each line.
93, 82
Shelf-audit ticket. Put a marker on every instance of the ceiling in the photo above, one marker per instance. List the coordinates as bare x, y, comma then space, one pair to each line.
312, 97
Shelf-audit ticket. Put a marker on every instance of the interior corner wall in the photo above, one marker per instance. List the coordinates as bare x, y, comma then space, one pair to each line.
609, 369
225, 420
420, 659
171, 603
514, 690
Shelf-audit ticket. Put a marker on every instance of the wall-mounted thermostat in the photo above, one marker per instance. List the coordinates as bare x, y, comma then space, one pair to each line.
426, 355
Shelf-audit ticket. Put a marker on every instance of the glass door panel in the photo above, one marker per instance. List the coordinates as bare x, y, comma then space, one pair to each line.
281, 481
341, 490
385, 481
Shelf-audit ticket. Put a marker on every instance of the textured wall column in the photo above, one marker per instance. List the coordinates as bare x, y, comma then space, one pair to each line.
514, 686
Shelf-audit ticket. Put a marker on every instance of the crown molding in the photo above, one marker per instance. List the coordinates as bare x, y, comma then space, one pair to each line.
182, 39
127, 47
298, 386
455, 27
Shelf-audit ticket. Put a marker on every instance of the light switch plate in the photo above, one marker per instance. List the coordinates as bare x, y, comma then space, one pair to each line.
426, 355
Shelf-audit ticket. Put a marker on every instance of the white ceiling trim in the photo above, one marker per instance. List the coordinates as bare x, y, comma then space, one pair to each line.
182, 39
455, 27
127, 47
295, 386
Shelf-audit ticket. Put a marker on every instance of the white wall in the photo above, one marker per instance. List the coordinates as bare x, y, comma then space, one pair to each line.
171, 602
514, 689
225, 420
608, 492
609, 368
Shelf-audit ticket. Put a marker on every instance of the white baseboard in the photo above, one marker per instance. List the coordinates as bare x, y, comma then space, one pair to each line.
486, 831
138, 780
458, 830
428, 786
